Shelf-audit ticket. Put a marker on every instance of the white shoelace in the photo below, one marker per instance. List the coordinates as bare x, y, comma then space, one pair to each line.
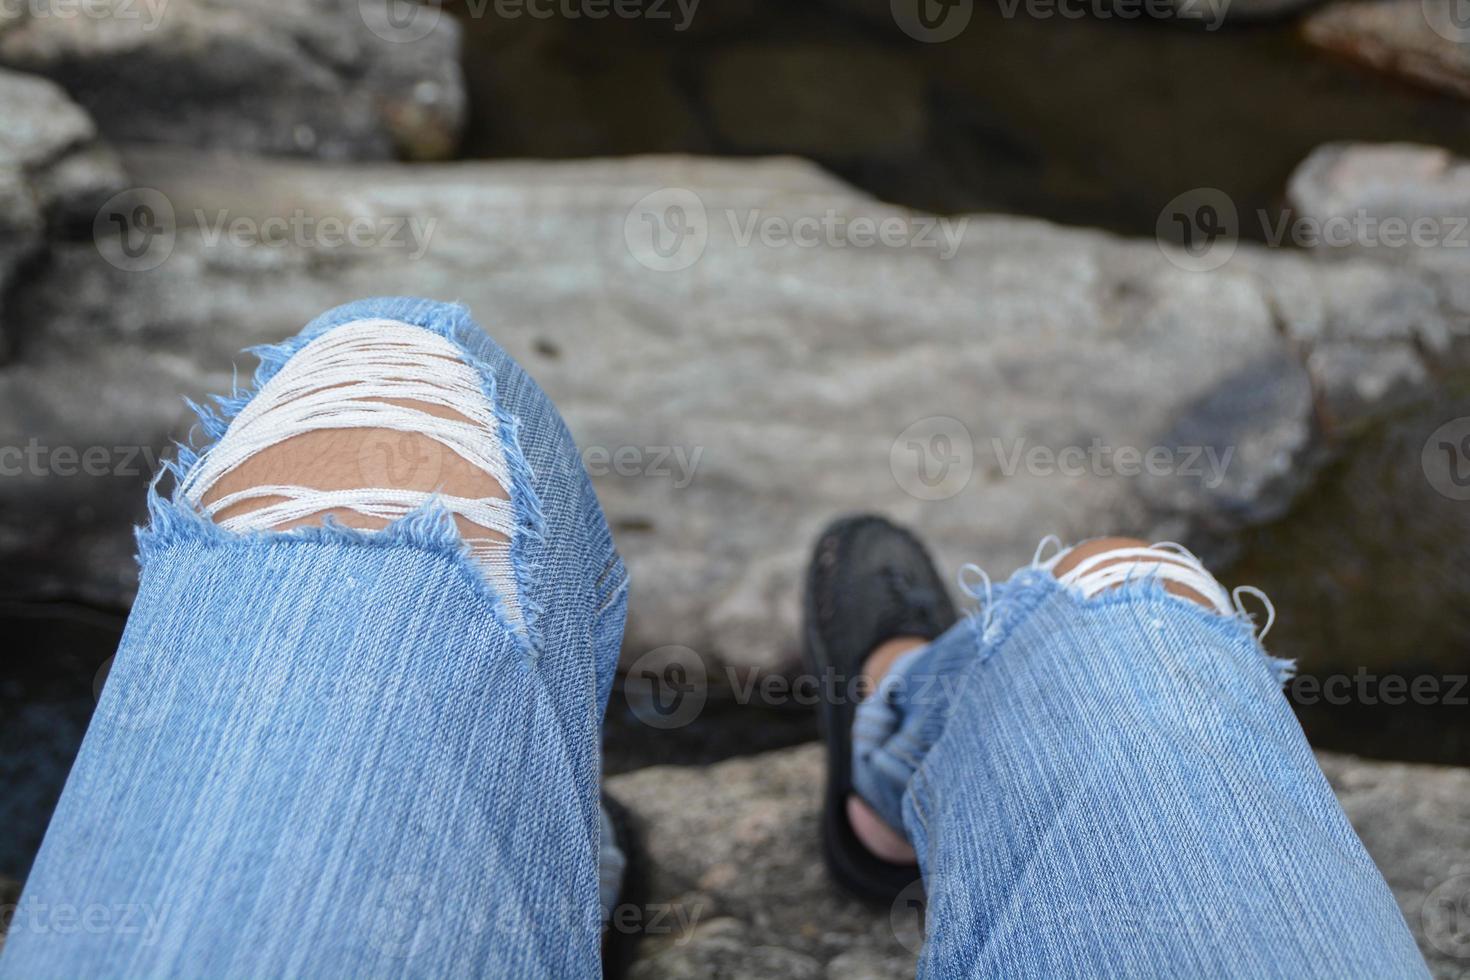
346, 379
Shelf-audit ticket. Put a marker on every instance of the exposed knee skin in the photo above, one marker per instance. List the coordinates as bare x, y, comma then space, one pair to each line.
1099, 546
888, 842
367, 423
341, 459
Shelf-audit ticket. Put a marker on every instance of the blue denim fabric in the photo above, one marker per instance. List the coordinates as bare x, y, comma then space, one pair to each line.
329, 753
1117, 787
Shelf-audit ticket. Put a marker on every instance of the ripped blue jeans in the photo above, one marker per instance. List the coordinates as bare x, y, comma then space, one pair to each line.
1116, 786
325, 752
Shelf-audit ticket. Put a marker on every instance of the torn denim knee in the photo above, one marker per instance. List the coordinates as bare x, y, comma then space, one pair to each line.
894, 729
371, 372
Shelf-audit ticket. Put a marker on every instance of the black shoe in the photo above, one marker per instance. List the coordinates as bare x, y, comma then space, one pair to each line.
869, 581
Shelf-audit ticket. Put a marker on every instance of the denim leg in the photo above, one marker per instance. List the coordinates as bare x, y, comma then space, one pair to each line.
1117, 787
325, 752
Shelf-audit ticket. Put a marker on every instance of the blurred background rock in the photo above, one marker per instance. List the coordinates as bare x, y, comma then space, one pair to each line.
1135, 267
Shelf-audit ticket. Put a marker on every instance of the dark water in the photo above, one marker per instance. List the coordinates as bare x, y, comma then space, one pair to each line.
1088, 122
1370, 574
47, 677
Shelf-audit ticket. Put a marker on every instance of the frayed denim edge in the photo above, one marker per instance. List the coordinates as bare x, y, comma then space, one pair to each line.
1027, 589
431, 528
1037, 585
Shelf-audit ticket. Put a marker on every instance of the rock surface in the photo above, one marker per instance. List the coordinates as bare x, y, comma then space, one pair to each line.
1395, 202
1421, 40
778, 367
337, 79
52, 170
1406, 207
741, 882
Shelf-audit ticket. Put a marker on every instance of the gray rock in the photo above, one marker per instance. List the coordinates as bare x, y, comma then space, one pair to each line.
1396, 203
1399, 214
1420, 40
1415, 822
1008, 390
335, 78
747, 862
52, 170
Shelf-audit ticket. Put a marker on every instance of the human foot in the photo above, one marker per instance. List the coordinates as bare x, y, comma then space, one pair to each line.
872, 594
1096, 565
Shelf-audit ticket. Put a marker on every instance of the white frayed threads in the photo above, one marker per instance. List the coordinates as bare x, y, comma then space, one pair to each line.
1164, 560
346, 379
